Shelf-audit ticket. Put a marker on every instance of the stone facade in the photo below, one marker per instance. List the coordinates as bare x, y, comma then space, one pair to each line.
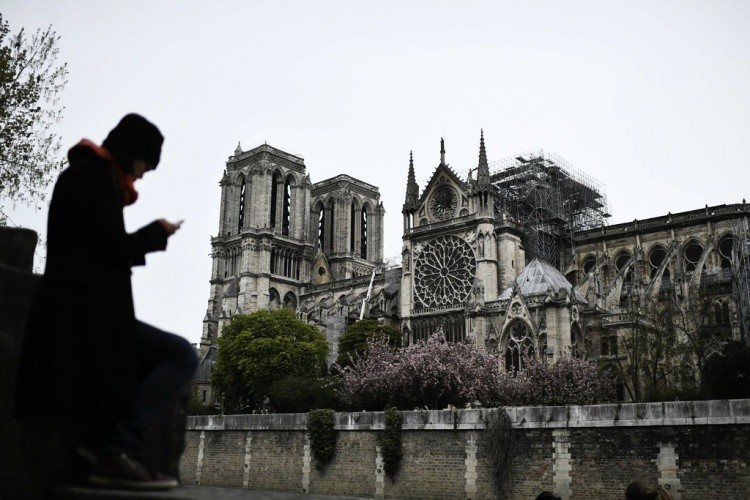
517, 259
696, 449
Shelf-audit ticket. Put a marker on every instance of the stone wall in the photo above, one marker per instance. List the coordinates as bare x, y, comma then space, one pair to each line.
696, 449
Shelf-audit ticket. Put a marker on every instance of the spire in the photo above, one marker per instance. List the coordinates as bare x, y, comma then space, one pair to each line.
482, 151
412, 188
238, 150
483, 170
442, 151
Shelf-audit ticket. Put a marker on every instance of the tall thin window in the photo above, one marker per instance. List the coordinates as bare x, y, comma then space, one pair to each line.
287, 207
241, 217
352, 227
622, 260
274, 197
321, 228
363, 234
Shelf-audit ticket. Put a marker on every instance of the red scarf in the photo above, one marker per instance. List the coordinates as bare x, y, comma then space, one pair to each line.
126, 179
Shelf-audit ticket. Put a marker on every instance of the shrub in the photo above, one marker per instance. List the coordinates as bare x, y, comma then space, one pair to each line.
320, 429
390, 443
300, 394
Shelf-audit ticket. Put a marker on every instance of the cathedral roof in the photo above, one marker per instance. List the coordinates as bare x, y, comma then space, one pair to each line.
540, 277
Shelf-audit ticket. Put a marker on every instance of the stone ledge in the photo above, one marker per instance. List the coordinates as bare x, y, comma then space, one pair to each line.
677, 413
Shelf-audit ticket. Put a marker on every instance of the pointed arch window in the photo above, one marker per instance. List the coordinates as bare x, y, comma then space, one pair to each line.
627, 284
241, 215
519, 345
287, 208
726, 244
693, 253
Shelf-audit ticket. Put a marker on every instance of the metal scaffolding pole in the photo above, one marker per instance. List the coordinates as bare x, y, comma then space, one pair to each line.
741, 267
552, 199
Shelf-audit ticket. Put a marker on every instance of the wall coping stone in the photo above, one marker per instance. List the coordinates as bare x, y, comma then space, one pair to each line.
711, 412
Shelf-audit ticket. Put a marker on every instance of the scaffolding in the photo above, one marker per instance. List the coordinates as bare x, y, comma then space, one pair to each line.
551, 199
741, 267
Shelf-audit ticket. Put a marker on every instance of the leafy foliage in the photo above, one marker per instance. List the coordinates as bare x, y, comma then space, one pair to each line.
390, 443
320, 429
300, 394
353, 343
198, 407
30, 84
259, 349
727, 375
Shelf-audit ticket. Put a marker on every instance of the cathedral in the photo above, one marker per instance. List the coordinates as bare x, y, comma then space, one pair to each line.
516, 257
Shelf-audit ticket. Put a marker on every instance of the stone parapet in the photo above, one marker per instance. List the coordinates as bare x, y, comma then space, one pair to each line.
672, 413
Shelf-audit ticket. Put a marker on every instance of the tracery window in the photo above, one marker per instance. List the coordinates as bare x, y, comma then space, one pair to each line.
693, 252
725, 251
444, 272
656, 259
519, 345
627, 284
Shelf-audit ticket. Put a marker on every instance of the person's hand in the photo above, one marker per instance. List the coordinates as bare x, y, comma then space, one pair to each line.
170, 227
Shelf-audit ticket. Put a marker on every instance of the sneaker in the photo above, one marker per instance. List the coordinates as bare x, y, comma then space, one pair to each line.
123, 472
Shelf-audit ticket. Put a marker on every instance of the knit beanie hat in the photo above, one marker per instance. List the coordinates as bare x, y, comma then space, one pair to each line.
135, 138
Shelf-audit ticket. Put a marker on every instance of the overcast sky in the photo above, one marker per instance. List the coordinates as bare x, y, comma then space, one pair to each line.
650, 98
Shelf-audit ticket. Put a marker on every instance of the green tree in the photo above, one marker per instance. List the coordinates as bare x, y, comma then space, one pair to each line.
353, 342
259, 349
31, 81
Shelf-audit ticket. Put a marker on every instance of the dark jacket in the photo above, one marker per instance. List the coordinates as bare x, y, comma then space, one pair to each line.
77, 358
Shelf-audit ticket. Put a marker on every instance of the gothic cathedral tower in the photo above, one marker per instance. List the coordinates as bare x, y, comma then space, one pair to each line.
285, 242
262, 245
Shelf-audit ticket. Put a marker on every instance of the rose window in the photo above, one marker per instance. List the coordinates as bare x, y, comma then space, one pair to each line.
443, 202
444, 272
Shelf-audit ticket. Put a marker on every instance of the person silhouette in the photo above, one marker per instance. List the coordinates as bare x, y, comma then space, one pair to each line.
86, 359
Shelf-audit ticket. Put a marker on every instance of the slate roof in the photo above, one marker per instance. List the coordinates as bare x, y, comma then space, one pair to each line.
540, 277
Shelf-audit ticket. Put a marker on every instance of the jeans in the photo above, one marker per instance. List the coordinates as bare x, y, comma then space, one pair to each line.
168, 363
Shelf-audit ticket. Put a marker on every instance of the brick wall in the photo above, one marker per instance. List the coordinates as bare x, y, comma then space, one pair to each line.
696, 449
